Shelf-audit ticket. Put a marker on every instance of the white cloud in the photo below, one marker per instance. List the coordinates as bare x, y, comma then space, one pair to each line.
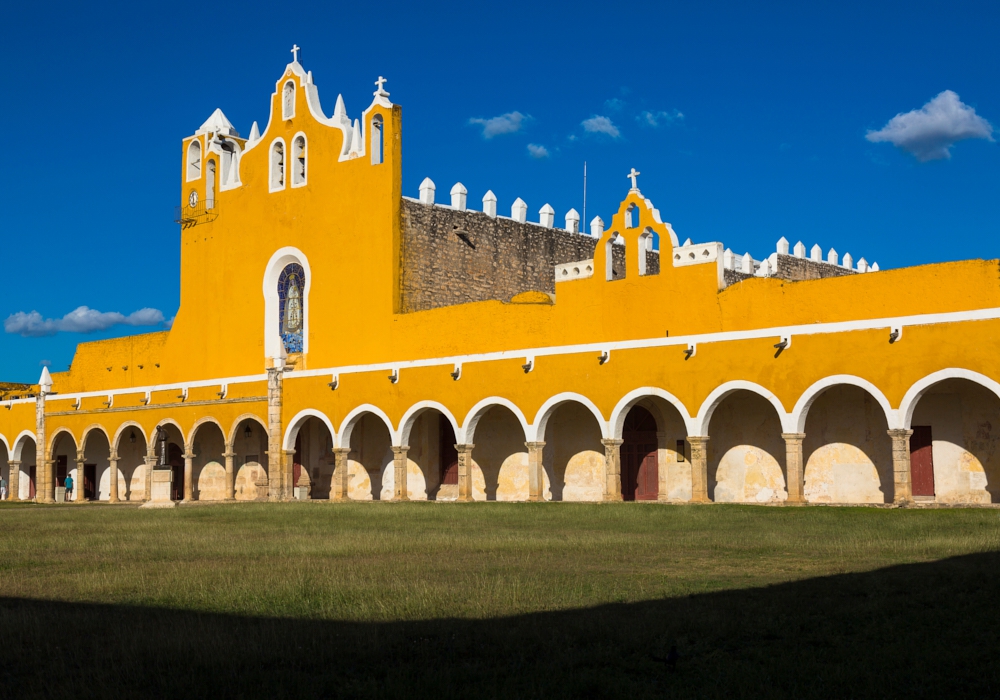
601, 125
80, 320
647, 118
930, 131
538, 151
614, 105
509, 123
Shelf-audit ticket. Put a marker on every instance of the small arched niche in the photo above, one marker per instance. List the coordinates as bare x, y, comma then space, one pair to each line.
288, 100
299, 160
194, 160
292, 307
376, 139
277, 168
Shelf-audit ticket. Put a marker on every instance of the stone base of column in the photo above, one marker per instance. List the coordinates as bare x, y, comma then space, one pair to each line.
161, 484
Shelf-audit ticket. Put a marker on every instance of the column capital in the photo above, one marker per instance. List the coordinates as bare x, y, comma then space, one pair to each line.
400, 449
536, 445
338, 451
229, 455
612, 442
80, 456
899, 433
113, 457
698, 439
14, 462
465, 447
288, 453
793, 437
189, 455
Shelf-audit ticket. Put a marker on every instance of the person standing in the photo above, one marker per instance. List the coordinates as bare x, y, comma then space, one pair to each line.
68, 483
3, 488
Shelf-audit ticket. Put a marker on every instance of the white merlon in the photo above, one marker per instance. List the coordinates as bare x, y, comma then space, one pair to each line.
816, 254
765, 269
427, 191
573, 221
873, 268
686, 242
746, 266
254, 134
458, 195
783, 246
728, 259
490, 204
519, 210
832, 257
800, 250
357, 143
597, 227
848, 261
340, 110
862, 265
547, 216
697, 253
45, 381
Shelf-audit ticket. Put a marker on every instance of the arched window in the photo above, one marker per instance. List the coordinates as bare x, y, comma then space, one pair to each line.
210, 185
288, 100
299, 161
292, 307
614, 271
194, 160
632, 217
645, 244
277, 165
376, 138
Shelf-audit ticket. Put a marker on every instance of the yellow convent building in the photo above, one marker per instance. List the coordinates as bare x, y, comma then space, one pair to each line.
362, 344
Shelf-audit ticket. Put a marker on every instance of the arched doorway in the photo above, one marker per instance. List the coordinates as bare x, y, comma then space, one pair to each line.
97, 466
370, 461
314, 462
746, 453
432, 459
573, 457
251, 466
132, 451
64, 463
500, 458
208, 471
640, 475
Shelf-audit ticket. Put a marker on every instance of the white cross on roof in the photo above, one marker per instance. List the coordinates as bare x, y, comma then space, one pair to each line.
634, 174
295, 53
381, 84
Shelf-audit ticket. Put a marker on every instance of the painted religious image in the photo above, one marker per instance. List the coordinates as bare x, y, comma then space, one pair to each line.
291, 300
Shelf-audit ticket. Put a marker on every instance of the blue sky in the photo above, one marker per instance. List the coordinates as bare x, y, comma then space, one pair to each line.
747, 124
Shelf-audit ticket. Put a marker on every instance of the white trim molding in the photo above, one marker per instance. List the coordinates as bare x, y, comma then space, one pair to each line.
913, 395
467, 434
296, 423
414, 411
633, 397
536, 431
342, 438
713, 400
809, 396
278, 262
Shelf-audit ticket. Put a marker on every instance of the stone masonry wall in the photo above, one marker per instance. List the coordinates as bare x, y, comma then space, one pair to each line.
799, 269
455, 257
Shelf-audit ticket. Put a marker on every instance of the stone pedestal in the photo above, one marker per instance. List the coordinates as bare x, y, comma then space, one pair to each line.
699, 468
340, 484
794, 466
612, 470
536, 471
161, 483
902, 480
400, 487
465, 472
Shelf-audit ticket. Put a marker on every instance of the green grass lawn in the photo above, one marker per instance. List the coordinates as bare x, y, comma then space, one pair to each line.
497, 600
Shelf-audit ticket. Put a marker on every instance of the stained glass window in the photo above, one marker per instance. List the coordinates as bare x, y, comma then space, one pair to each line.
292, 307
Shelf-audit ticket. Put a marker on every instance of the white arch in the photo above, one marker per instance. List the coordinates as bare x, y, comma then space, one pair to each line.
537, 429
281, 259
290, 164
342, 438
299, 420
86, 435
915, 392
198, 425
475, 414
55, 437
406, 422
635, 396
231, 437
6, 444
809, 396
121, 430
189, 166
19, 444
713, 400
271, 186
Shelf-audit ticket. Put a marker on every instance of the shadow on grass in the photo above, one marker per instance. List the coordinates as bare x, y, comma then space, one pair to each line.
922, 630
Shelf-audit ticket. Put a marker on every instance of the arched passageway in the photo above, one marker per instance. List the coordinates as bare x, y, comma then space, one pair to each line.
370, 462
208, 470
64, 463
250, 461
746, 453
847, 449
955, 445
314, 463
654, 457
573, 457
24, 453
175, 458
132, 450
5, 466
97, 466
499, 458
432, 459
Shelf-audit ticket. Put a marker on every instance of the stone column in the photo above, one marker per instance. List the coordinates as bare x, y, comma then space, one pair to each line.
279, 474
662, 467
465, 471
45, 482
340, 486
288, 466
113, 483
902, 483
230, 476
150, 465
14, 482
536, 471
188, 474
794, 467
612, 469
78, 494
699, 468
400, 490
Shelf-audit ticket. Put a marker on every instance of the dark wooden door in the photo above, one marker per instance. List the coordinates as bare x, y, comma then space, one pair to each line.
31, 481
175, 458
922, 461
449, 455
640, 472
89, 481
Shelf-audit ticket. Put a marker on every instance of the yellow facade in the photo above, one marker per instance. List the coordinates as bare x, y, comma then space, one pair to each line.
372, 380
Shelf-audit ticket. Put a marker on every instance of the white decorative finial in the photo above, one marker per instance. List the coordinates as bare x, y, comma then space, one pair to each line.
381, 83
45, 381
295, 53
633, 175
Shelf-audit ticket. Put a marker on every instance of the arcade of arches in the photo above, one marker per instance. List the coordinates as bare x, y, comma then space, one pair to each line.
846, 451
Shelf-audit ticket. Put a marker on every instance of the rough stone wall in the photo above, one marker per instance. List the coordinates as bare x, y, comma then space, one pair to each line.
455, 257
799, 269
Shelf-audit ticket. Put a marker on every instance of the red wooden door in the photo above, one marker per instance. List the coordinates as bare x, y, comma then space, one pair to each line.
922, 461
639, 461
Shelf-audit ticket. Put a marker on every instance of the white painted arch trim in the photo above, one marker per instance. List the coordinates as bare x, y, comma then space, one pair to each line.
411, 415
231, 438
476, 413
6, 445
271, 187
290, 174
295, 425
55, 437
633, 397
121, 431
19, 444
704, 417
536, 431
912, 397
342, 438
281, 258
90, 429
809, 396
198, 425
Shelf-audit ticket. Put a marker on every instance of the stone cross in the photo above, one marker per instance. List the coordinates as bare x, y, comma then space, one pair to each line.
634, 174
295, 53
381, 83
